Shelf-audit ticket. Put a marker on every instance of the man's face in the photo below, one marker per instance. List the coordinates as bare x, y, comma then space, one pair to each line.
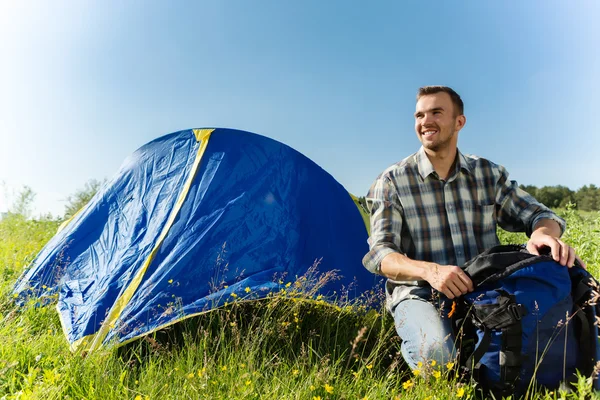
435, 122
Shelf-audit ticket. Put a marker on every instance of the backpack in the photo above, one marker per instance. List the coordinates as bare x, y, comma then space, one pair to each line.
529, 322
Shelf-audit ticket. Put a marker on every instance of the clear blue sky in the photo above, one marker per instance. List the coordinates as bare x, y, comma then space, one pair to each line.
85, 83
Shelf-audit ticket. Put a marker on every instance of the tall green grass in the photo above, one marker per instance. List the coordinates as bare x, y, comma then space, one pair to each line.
288, 346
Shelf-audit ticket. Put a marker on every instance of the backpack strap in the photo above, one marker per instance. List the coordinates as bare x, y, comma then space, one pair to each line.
581, 292
504, 316
585, 313
511, 357
586, 340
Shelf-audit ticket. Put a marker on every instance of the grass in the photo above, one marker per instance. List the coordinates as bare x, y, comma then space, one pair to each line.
285, 347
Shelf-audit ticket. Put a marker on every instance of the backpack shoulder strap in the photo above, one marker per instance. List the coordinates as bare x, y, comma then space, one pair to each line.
499, 262
504, 316
585, 313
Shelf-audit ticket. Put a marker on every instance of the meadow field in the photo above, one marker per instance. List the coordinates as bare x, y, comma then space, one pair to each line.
290, 346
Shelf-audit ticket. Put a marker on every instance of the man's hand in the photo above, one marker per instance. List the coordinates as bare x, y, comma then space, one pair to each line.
448, 279
561, 252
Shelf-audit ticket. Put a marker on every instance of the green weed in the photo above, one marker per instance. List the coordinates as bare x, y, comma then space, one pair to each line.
287, 346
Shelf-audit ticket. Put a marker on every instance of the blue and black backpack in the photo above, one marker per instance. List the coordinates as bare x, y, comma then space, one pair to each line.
530, 322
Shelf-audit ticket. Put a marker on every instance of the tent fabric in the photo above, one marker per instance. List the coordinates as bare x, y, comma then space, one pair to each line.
193, 220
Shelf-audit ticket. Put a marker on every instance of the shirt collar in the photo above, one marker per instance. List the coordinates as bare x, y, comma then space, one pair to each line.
426, 168
464, 163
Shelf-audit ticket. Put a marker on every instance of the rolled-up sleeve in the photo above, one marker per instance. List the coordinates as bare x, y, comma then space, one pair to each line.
386, 223
519, 211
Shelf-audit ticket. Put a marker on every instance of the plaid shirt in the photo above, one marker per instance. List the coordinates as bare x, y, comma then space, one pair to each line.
448, 222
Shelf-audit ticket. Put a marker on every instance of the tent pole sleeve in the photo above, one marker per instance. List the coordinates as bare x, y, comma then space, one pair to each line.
202, 135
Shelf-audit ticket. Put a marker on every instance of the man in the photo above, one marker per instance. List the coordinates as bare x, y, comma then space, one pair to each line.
433, 211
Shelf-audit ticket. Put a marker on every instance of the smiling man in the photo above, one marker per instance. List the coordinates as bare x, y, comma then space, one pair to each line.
433, 211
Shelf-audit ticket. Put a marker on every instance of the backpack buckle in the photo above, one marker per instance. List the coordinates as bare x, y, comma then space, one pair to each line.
517, 311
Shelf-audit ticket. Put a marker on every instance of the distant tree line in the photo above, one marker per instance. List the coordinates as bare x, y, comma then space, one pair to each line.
586, 198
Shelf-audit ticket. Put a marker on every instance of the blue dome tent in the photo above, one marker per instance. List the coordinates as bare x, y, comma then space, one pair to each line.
191, 221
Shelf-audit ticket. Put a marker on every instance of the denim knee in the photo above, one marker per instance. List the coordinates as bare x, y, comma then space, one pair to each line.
426, 335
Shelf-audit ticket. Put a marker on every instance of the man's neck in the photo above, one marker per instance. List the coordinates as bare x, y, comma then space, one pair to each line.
442, 161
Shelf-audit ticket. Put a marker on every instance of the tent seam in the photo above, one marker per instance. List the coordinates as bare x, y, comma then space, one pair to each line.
202, 135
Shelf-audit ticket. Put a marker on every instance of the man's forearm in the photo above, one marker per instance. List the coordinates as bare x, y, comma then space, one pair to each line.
546, 234
399, 267
448, 279
547, 227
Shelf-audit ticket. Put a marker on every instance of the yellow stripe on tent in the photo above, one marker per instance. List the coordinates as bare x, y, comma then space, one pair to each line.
202, 135
66, 222
81, 343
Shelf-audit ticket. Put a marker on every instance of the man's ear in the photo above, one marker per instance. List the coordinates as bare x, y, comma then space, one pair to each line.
461, 120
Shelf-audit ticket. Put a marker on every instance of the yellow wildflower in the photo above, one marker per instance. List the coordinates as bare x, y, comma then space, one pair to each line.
138, 397
170, 281
316, 397
356, 374
312, 387
242, 365
288, 284
233, 295
408, 384
224, 368
328, 388
233, 323
449, 365
295, 372
437, 374
190, 375
419, 365
416, 372
433, 363
370, 366
248, 290
460, 392
225, 286
248, 382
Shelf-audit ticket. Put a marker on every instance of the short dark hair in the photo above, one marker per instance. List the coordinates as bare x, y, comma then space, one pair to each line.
456, 100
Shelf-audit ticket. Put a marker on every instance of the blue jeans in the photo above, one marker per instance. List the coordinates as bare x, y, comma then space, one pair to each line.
425, 329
